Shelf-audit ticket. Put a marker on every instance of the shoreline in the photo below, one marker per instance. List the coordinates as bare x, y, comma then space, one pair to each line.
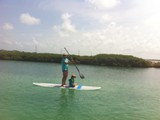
155, 63
114, 60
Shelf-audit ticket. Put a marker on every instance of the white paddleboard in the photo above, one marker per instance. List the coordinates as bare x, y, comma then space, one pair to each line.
78, 87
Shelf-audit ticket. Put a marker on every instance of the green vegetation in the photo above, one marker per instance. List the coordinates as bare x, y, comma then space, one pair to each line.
27, 56
101, 59
116, 60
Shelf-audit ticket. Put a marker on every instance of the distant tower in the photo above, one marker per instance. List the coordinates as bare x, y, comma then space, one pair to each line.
35, 48
61, 51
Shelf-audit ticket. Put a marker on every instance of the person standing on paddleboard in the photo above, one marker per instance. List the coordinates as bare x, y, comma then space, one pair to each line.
64, 63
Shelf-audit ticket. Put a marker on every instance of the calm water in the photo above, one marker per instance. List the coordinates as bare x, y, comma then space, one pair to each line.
126, 94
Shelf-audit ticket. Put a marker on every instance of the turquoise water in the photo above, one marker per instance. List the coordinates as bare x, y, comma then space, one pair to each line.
126, 94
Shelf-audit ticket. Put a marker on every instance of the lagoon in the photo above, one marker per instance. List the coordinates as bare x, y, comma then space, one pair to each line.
126, 94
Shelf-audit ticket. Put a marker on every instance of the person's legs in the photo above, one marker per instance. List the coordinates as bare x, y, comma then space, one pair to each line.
65, 75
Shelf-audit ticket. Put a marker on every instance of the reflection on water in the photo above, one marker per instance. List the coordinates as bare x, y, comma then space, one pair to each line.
66, 104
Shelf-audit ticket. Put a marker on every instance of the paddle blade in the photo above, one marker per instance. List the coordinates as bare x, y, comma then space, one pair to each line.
81, 76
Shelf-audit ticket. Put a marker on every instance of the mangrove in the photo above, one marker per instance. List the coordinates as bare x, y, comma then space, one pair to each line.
100, 59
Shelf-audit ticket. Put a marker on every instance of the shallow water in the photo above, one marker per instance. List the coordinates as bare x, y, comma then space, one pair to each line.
126, 94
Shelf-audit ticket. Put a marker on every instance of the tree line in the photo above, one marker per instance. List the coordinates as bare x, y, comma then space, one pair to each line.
100, 59
29, 56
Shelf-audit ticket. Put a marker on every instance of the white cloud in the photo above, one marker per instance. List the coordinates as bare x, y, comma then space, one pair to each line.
104, 4
35, 41
139, 41
105, 18
144, 11
153, 22
8, 26
115, 26
6, 42
152, 16
26, 18
66, 27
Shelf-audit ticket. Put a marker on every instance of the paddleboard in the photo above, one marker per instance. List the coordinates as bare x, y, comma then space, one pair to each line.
78, 87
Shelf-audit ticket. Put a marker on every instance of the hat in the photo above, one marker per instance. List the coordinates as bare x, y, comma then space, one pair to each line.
64, 54
73, 75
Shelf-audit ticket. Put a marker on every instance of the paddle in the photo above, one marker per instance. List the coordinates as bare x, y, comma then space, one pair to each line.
80, 74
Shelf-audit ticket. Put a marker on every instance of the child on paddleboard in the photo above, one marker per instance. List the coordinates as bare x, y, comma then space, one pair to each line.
71, 81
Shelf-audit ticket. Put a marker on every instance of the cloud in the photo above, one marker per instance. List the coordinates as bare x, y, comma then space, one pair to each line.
26, 18
104, 4
105, 18
152, 16
35, 41
144, 11
8, 26
66, 27
100, 26
139, 41
153, 22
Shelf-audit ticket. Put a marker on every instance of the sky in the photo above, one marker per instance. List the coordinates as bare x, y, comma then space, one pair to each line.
84, 27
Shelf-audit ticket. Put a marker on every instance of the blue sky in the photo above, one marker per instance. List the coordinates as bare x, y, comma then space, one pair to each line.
85, 27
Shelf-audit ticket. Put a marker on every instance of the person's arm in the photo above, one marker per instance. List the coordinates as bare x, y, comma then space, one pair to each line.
66, 61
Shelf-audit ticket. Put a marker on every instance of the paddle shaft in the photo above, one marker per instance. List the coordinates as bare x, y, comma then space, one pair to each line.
80, 74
